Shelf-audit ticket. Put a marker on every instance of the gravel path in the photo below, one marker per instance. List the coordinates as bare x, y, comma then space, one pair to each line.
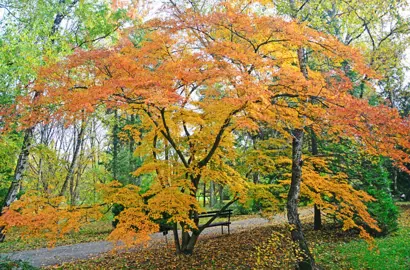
60, 254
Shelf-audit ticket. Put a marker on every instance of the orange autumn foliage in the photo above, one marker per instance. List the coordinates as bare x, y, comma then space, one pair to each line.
39, 217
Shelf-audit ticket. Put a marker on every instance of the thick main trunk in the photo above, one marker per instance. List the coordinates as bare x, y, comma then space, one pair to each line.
189, 239
306, 261
188, 242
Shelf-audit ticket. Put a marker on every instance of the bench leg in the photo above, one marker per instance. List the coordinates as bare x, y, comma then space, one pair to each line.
222, 228
229, 229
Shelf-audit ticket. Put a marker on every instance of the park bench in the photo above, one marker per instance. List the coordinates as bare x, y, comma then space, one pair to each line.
164, 228
221, 214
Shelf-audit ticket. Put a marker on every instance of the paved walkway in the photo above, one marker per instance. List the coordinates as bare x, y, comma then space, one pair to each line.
60, 254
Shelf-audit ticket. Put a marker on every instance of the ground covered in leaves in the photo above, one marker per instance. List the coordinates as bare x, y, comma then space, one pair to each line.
96, 231
267, 247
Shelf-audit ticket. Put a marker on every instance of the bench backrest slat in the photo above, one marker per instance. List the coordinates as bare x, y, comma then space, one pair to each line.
225, 213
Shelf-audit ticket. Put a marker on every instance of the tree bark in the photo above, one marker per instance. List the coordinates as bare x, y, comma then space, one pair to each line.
221, 194
307, 261
131, 147
395, 189
204, 194
212, 194
115, 142
317, 224
70, 174
21, 168
19, 172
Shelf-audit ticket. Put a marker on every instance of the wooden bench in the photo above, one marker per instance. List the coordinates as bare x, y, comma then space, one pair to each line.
221, 214
164, 228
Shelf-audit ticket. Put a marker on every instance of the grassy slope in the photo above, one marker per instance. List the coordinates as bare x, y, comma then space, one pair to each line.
392, 252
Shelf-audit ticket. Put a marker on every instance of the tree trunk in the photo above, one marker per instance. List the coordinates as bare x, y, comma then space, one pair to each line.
306, 261
21, 168
317, 224
204, 194
395, 190
255, 177
19, 172
115, 142
221, 194
131, 153
70, 174
212, 194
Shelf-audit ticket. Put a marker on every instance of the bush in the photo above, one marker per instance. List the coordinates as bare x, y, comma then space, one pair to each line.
377, 183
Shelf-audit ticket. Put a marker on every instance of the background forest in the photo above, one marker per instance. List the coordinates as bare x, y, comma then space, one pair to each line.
143, 114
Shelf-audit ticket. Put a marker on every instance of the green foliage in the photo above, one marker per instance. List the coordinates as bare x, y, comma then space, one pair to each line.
9, 150
368, 174
377, 184
116, 210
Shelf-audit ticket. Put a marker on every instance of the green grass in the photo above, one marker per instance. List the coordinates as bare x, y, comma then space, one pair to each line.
391, 252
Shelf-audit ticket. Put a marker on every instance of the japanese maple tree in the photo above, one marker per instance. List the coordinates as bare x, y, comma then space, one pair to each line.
194, 79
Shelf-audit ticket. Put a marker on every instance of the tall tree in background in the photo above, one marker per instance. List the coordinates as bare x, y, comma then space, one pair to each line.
46, 33
379, 28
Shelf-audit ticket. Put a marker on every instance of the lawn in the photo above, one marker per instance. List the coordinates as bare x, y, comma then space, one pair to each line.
391, 252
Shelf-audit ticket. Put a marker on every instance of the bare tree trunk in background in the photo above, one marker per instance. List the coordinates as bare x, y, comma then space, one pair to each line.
74, 192
255, 177
221, 194
204, 194
94, 158
115, 142
212, 201
131, 153
395, 189
46, 133
70, 174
